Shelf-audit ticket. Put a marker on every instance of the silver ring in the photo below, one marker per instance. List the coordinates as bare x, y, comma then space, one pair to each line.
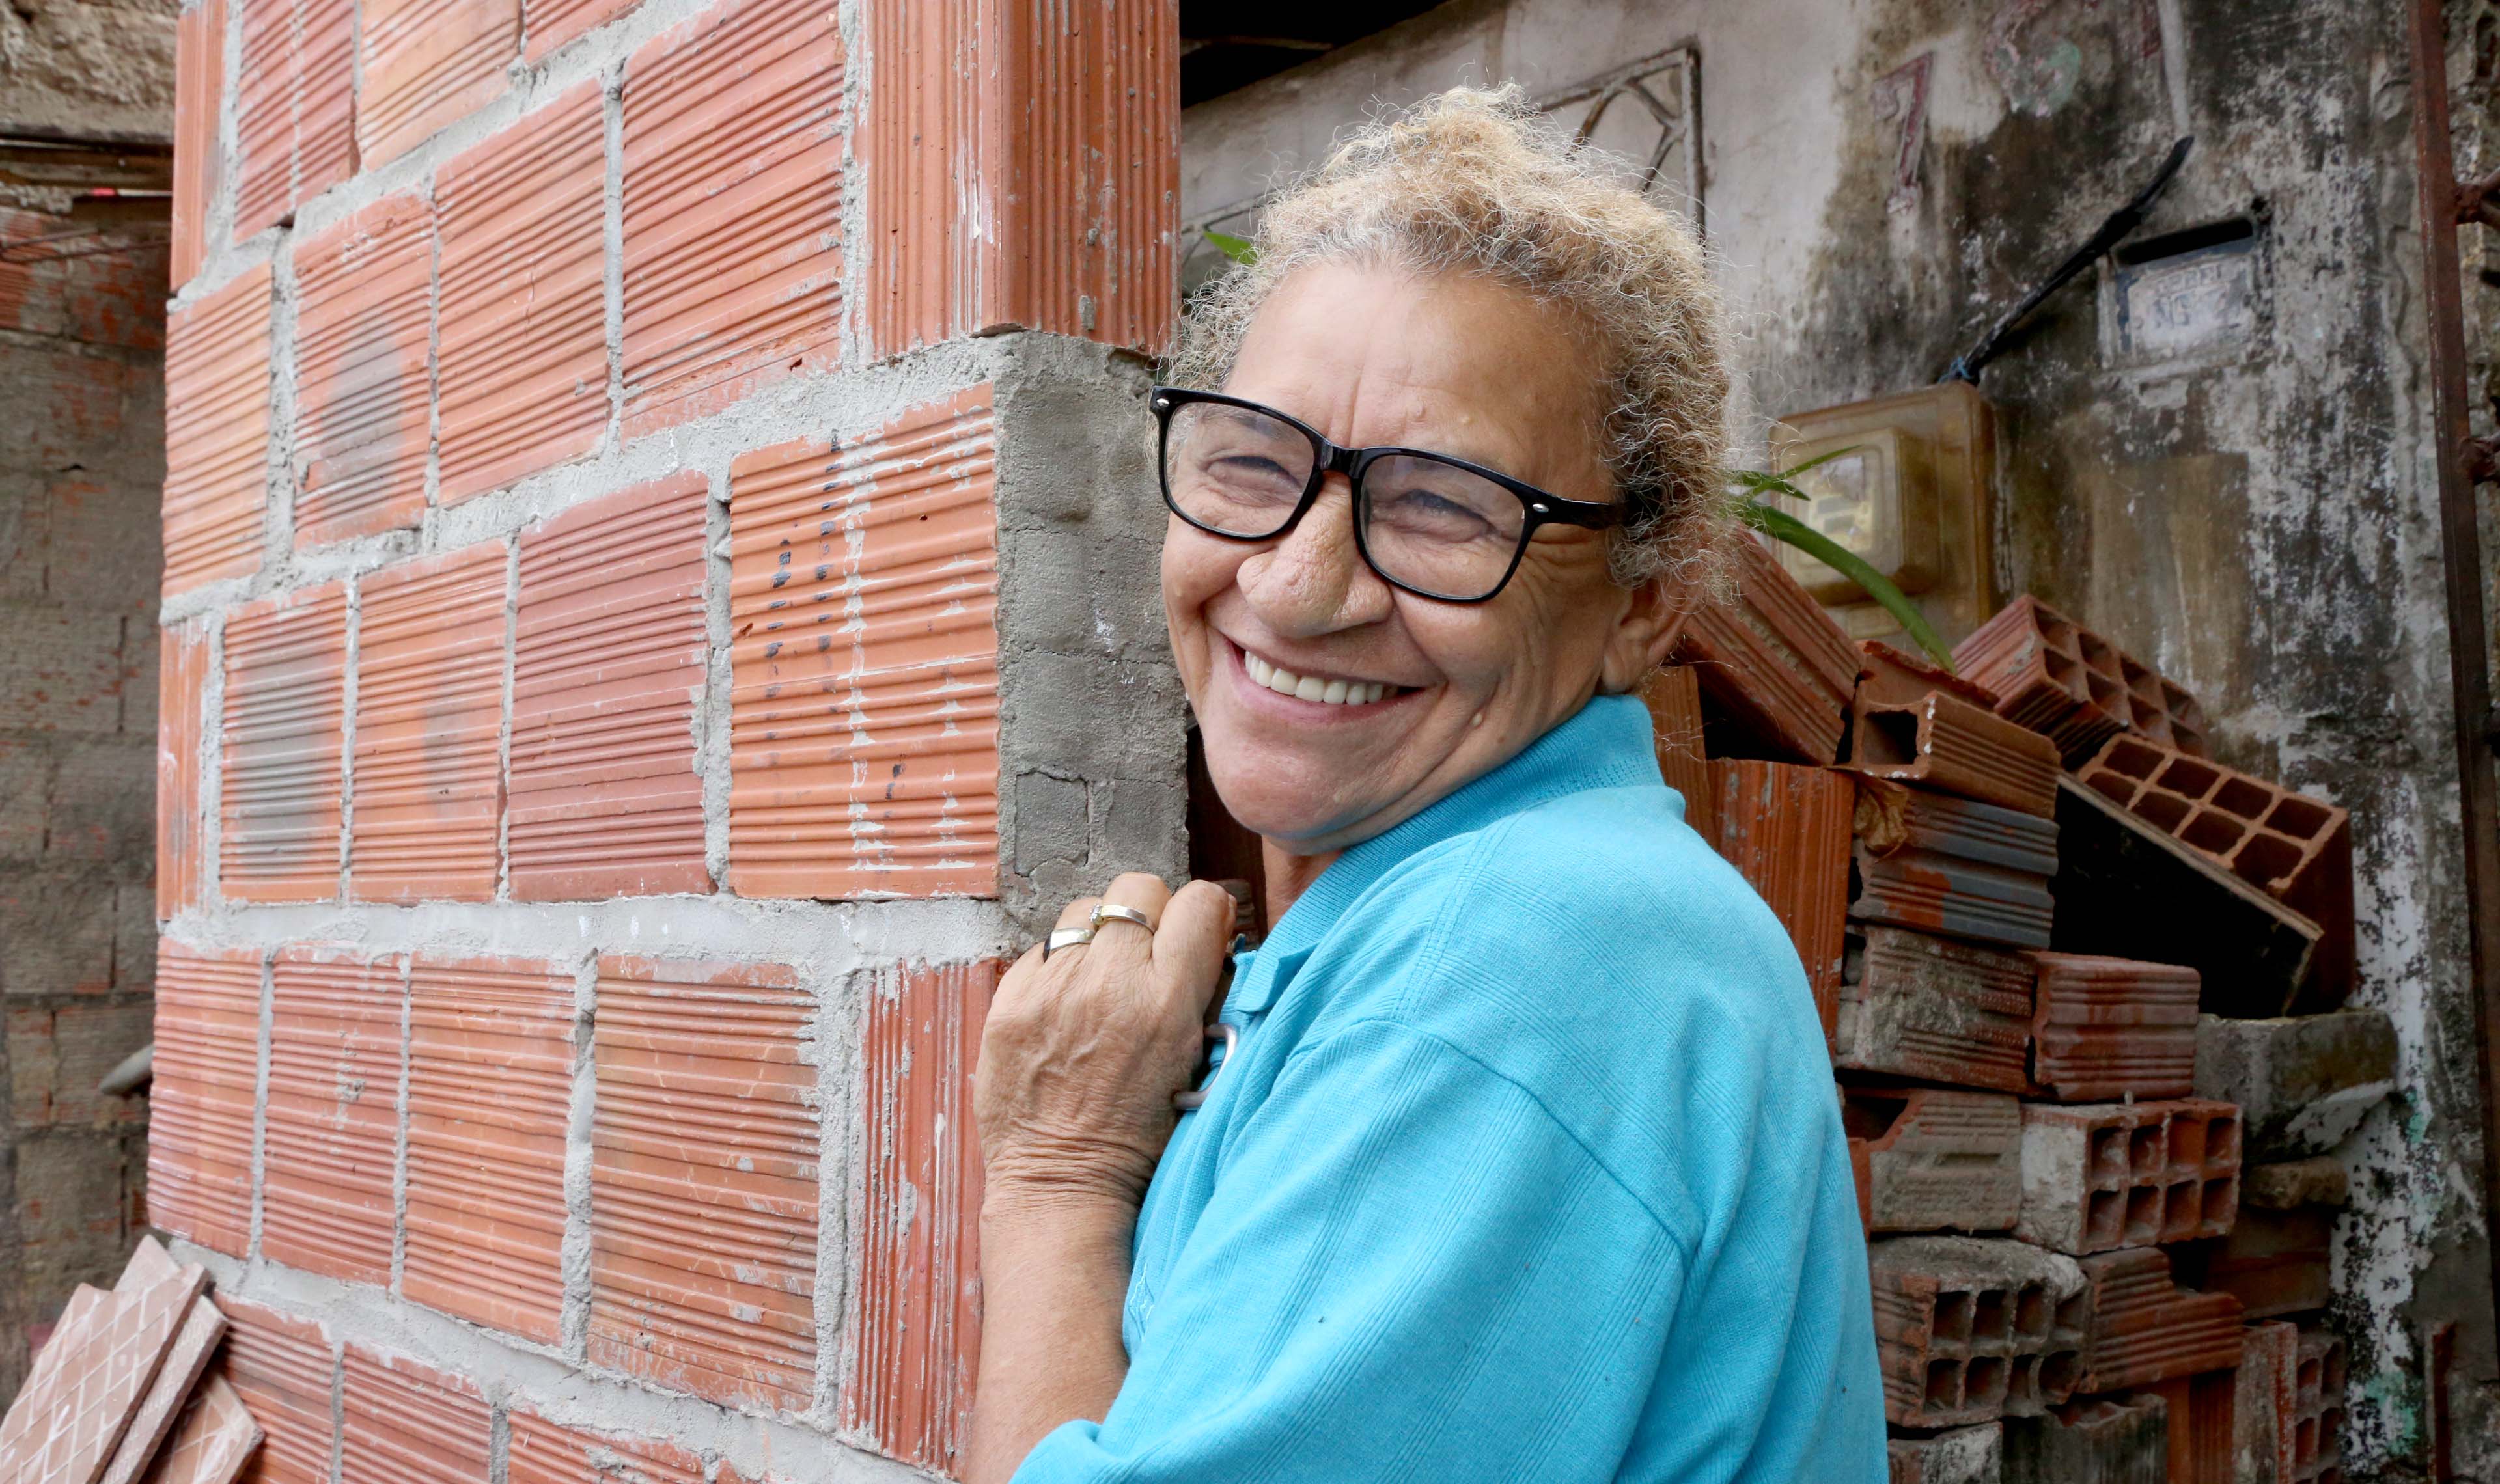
1112, 912
1196, 1097
1065, 938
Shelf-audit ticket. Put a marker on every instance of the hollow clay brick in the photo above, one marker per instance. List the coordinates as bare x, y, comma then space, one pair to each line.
429, 727
2304, 1082
489, 1092
863, 652
522, 310
2075, 687
1786, 829
1969, 1329
2318, 1410
200, 1105
605, 800
285, 709
1938, 1160
2123, 1174
2106, 1028
551, 24
1938, 864
703, 1186
429, 63
199, 98
282, 1367
363, 391
182, 666
2097, 1440
2145, 1329
332, 1123
1915, 1006
1973, 1455
915, 1323
1891, 677
294, 129
2126, 889
1944, 742
2203, 1427
542, 1452
1673, 695
733, 204
405, 1423
2275, 1261
1773, 661
1020, 171
217, 433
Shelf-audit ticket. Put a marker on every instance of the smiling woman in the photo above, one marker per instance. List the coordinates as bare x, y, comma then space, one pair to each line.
1523, 1162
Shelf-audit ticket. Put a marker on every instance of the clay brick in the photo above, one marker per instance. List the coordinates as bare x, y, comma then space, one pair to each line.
522, 317
1773, 661
332, 1122
2290, 1184
1891, 677
864, 650
915, 1326
2275, 1262
704, 1181
489, 1091
1939, 863
2104, 1028
2202, 1426
2102, 1440
1673, 696
1021, 172
2073, 686
551, 24
405, 1423
61, 672
1973, 1455
429, 63
294, 125
285, 705
200, 1105
184, 671
60, 933
58, 1053
542, 1453
199, 98
363, 390
283, 1369
1937, 1161
1968, 1327
2125, 1174
733, 204
430, 661
2299, 1383
610, 643
217, 433
1944, 742
2304, 1082
1913, 1005
2143, 1328
1786, 830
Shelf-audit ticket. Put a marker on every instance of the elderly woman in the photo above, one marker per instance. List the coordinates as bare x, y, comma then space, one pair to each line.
1525, 1162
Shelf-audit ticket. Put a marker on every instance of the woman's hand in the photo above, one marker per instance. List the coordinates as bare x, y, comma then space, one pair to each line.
1082, 1052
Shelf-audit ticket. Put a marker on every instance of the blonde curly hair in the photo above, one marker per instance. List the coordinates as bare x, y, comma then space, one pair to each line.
1471, 180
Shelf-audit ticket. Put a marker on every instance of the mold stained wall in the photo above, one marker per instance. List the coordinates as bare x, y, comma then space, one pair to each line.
2257, 518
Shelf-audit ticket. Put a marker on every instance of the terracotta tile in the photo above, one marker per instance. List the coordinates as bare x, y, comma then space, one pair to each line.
364, 296
732, 206
202, 1328
1936, 1160
333, 1114
217, 433
283, 1369
610, 652
2145, 1329
1972, 1455
1968, 1329
489, 1087
1913, 1005
182, 668
405, 1423
551, 24
1773, 663
1786, 830
2110, 1027
2100, 1176
544, 1453
294, 132
200, 1105
915, 1328
704, 1181
285, 706
2062, 679
429, 720
523, 359
1938, 864
1021, 173
1673, 696
1891, 677
1944, 742
213, 1441
199, 97
863, 602
2100, 1438
428, 64
325, 99
89, 1379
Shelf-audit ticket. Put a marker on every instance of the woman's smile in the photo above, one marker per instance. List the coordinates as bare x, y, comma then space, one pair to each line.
1310, 692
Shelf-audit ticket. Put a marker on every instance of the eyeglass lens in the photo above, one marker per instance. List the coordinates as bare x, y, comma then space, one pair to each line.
1428, 525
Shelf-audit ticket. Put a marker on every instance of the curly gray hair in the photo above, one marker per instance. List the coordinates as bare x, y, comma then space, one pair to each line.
1478, 181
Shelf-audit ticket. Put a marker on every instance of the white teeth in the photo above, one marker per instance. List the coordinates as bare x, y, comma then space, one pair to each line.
1334, 694
1285, 683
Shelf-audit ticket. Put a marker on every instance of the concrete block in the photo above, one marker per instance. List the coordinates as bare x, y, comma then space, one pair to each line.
540, 1452
1786, 829
430, 657
2097, 1177
364, 313
1915, 1006
283, 1368
294, 103
182, 668
2075, 687
703, 1201
1673, 696
551, 24
1969, 1329
1945, 743
60, 672
2302, 1082
1936, 1160
610, 650
331, 1127
1938, 864
2099, 1441
200, 1103
2106, 1028
1052, 820
59, 930
1773, 662
73, 1213
429, 63
138, 676
1973, 1455
103, 811
134, 936
2145, 1329
216, 432
25, 797
199, 99
58, 1054
285, 722
400, 1422
106, 541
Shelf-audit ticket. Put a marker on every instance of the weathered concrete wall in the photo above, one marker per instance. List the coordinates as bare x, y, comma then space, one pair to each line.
88, 71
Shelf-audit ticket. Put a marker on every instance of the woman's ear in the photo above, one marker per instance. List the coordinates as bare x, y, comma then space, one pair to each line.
1652, 619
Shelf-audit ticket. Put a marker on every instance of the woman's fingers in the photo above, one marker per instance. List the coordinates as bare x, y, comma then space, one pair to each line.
1196, 930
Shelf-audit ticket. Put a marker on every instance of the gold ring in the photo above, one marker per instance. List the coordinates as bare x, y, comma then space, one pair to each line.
1112, 912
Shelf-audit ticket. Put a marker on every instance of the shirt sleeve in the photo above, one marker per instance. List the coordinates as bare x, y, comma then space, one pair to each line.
1407, 1268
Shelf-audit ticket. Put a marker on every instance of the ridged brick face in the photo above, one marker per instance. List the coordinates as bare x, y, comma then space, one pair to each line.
404, 1423
610, 658
524, 354
1786, 829
551, 24
864, 728
430, 651
427, 63
217, 433
733, 196
489, 1083
182, 671
364, 305
703, 1177
199, 97
285, 706
916, 1324
200, 1113
543, 1453
282, 1368
333, 1116
294, 106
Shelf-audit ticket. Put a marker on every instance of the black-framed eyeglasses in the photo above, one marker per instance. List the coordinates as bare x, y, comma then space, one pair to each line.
1432, 525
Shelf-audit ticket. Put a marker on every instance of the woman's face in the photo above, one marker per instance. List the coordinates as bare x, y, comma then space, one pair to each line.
1453, 364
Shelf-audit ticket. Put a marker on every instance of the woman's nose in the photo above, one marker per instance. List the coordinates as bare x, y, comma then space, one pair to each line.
1314, 580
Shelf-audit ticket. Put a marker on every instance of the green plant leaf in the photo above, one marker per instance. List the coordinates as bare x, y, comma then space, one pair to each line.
1780, 525
1237, 248
1763, 482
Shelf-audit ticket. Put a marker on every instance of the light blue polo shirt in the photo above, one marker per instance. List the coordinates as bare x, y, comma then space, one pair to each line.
1528, 1167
